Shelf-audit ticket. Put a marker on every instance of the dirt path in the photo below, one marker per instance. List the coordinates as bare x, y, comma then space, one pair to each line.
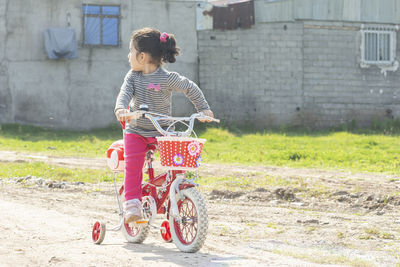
354, 222
42, 227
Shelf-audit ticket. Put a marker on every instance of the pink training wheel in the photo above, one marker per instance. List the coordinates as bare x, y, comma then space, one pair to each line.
98, 232
166, 231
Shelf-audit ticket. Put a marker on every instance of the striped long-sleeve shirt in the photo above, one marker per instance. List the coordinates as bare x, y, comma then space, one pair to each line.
155, 90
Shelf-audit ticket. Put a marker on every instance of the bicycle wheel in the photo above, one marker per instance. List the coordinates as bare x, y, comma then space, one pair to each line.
190, 234
165, 232
134, 233
98, 232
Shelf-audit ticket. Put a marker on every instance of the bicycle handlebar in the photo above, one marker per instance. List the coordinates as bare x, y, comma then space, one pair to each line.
155, 118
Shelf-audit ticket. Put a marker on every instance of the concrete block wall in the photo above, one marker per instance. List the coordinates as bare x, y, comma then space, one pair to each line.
278, 73
296, 73
79, 93
253, 75
336, 89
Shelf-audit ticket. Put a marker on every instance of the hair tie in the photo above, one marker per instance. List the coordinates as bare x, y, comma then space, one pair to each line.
163, 37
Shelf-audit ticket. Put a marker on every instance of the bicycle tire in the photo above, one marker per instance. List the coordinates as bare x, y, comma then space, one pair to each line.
193, 212
135, 233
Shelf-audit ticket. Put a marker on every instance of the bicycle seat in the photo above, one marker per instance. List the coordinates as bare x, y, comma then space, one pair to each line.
115, 156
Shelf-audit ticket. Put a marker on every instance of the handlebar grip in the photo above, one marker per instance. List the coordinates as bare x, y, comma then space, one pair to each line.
135, 114
210, 118
125, 114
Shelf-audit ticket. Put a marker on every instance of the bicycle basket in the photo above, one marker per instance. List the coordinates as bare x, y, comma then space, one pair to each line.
180, 153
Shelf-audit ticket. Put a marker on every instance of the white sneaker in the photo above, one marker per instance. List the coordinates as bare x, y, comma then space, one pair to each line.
133, 210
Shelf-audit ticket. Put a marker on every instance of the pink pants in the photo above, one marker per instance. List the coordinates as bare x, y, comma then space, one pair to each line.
135, 150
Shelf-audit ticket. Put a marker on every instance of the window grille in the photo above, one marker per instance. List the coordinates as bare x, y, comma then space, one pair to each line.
101, 25
378, 46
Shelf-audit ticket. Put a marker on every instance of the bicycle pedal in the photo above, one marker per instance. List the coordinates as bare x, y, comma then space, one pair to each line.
140, 222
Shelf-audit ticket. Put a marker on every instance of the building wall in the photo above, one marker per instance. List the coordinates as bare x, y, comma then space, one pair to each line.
300, 72
336, 89
371, 11
253, 75
295, 73
79, 93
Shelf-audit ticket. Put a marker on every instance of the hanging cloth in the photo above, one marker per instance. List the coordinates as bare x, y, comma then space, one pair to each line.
60, 43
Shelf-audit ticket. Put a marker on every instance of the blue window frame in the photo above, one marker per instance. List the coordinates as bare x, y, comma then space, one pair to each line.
101, 25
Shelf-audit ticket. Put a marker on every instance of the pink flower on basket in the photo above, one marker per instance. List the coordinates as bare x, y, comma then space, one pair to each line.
194, 148
178, 159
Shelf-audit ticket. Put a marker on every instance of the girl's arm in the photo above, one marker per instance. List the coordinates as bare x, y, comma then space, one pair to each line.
125, 95
182, 84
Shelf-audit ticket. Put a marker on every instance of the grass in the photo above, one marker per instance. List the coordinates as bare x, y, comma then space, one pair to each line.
51, 172
45, 171
367, 151
56, 173
239, 183
331, 150
340, 235
57, 142
378, 234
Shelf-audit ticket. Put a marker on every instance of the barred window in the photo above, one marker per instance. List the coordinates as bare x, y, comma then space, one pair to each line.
101, 25
378, 46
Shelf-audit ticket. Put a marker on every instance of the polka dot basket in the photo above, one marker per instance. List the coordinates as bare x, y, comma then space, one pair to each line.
180, 153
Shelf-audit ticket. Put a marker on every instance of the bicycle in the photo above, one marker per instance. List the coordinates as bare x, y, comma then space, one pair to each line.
169, 194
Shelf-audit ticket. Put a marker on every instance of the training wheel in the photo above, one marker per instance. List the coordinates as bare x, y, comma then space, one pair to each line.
165, 231
98, 232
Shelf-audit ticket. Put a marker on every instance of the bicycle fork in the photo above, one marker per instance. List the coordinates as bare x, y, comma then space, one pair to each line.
174, 211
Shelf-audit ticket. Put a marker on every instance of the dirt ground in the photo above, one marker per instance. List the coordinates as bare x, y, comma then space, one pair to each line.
321, 218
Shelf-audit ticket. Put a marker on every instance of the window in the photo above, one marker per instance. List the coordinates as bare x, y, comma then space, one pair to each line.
101, 25
378, 46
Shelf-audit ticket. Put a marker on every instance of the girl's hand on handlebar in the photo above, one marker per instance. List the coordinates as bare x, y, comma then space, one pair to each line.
208, 113
120, 112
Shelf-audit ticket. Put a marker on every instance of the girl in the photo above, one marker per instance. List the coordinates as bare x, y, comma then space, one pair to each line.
149, 83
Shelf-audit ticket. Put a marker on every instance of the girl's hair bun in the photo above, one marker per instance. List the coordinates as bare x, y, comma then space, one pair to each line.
161, 46
169, 50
